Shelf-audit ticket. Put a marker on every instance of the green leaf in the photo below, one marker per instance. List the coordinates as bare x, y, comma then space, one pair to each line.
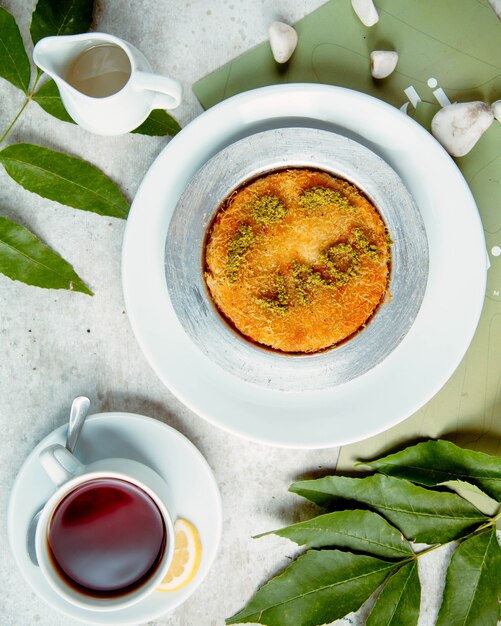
421, 514
473, 583
14, 63
60, 17
49, 99
473, 494
434, 462
65, 179
317, 588
24, 257
363, 531
400, 600
158, 123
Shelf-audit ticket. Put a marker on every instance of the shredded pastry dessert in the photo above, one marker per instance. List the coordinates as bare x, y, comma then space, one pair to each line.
297, 260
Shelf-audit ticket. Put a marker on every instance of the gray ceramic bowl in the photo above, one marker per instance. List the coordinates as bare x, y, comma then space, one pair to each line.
270, 151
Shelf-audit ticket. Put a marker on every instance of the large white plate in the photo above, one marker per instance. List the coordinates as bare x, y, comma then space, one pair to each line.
194, 490
412, 373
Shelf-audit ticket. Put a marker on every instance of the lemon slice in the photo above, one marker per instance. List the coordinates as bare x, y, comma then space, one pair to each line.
186, 560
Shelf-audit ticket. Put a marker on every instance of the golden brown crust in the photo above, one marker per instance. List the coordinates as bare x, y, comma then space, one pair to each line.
297, 260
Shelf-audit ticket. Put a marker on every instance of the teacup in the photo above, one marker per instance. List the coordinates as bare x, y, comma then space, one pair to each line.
105, 539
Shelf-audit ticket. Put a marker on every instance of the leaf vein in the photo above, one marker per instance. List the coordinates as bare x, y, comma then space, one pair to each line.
440, 472
434, 514
63, 23
402, 592
71, 182
37, 262
25, 89
478, 579
411, 511
319, 529
319, 589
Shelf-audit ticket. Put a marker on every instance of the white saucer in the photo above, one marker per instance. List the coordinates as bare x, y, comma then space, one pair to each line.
412, 373
143, 439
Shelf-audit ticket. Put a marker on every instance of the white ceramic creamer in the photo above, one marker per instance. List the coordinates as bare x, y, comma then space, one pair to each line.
105, 83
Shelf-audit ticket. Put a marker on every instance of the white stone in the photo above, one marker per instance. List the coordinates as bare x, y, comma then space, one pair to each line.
283, 41
496, 7
459, 126
496, 109
383, 62
366, 11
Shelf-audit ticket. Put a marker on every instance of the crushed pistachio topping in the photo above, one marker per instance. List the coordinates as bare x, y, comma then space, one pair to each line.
241, 242
268, 209
363, 244
278, 302
305, 277
341, 261
318, 197
338, 264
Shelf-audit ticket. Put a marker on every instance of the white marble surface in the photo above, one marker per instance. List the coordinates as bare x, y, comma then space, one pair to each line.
56, 345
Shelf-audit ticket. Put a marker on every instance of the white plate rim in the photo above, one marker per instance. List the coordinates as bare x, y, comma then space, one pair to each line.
146, 608
147, 225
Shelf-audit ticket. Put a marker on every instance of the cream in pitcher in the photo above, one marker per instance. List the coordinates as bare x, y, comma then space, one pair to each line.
99, 71
105, 83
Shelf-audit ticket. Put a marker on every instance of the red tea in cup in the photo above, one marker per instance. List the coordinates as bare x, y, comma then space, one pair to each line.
106, 538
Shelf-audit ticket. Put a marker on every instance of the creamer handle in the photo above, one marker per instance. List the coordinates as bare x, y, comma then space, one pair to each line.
168, 91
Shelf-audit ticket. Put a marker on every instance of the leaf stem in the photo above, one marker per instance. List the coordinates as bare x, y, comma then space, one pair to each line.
16, 118
37, 78
29, 96
490, 522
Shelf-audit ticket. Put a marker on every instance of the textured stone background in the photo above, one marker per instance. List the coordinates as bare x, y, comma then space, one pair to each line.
55, 345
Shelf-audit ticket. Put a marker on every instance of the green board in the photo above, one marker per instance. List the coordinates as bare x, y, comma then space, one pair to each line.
449, 50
